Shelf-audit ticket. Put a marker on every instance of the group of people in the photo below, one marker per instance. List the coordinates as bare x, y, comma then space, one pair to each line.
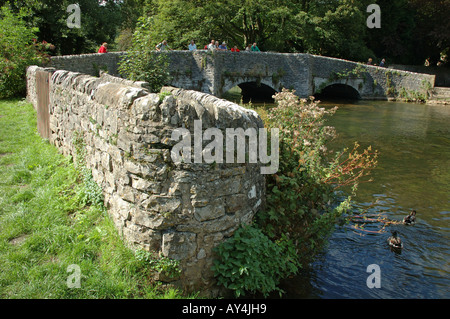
214, 45
382, 63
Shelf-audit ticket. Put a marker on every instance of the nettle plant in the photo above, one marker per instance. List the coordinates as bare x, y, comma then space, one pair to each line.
303, 199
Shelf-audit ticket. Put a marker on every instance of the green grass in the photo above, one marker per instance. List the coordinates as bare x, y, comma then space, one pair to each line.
47, 223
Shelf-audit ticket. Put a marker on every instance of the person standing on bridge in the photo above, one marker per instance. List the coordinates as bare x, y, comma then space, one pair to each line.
223, 46
211, 46
254, 48
382, 63
163, 46
103, 48
192, 46
235, 49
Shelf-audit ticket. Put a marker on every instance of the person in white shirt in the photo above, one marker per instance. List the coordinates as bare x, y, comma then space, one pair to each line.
211, 46
162, 46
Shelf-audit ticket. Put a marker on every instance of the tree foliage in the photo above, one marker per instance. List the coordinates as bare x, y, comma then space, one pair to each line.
411, 31
17, 51
100, 21
143, 64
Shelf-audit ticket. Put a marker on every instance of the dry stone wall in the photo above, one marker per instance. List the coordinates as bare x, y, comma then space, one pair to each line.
180, 210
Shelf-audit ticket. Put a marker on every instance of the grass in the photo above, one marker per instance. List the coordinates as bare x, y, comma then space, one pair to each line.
48, 222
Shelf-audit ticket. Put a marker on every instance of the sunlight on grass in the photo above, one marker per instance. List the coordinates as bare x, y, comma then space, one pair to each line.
46, 225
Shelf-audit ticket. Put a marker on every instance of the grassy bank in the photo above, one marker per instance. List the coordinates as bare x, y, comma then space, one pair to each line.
49, 222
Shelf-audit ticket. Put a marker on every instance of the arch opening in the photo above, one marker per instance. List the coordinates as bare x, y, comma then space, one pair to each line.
338, 91
250, 92
256, 92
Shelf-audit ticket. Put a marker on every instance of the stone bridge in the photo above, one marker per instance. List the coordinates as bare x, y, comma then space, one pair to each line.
260, 74
181, 210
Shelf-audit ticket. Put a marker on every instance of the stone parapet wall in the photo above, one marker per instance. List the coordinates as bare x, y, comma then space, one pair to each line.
442, 73
180, 210
90, 64
217, 72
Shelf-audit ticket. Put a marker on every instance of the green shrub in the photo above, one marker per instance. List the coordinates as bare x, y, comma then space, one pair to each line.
143, 64
302, 203
250, 262
17, 51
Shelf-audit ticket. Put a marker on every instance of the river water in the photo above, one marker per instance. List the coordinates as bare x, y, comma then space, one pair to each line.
413, 172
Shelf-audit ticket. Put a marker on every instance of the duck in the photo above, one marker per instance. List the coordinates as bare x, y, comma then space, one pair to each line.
410, 219
395, 241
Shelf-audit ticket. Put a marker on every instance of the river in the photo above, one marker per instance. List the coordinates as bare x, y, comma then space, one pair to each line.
413, 172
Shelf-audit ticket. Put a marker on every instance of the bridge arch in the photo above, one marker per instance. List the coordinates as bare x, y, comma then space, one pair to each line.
255, 90
340, 89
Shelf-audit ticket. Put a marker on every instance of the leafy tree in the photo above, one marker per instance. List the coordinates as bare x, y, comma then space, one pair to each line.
143, 64
337, 29
431, 36
100, 21
17, 51
394, 39
332, 28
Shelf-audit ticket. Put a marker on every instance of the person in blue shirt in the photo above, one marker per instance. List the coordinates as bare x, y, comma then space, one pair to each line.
192, 46
223, 46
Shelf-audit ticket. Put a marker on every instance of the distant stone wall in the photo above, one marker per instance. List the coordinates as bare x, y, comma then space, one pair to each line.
90, 64
442, 73
180, 210
31, 84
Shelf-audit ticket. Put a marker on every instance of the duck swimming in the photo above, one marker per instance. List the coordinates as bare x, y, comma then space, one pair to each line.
410, 219
395, 241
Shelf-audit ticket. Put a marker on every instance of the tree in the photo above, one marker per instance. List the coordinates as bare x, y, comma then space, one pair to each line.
431, 36
142, 63
332, 28
17, 51
100, 21
238, 22
337, 29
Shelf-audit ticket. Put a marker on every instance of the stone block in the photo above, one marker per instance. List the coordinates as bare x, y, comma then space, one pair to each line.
179, 245
215, 210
